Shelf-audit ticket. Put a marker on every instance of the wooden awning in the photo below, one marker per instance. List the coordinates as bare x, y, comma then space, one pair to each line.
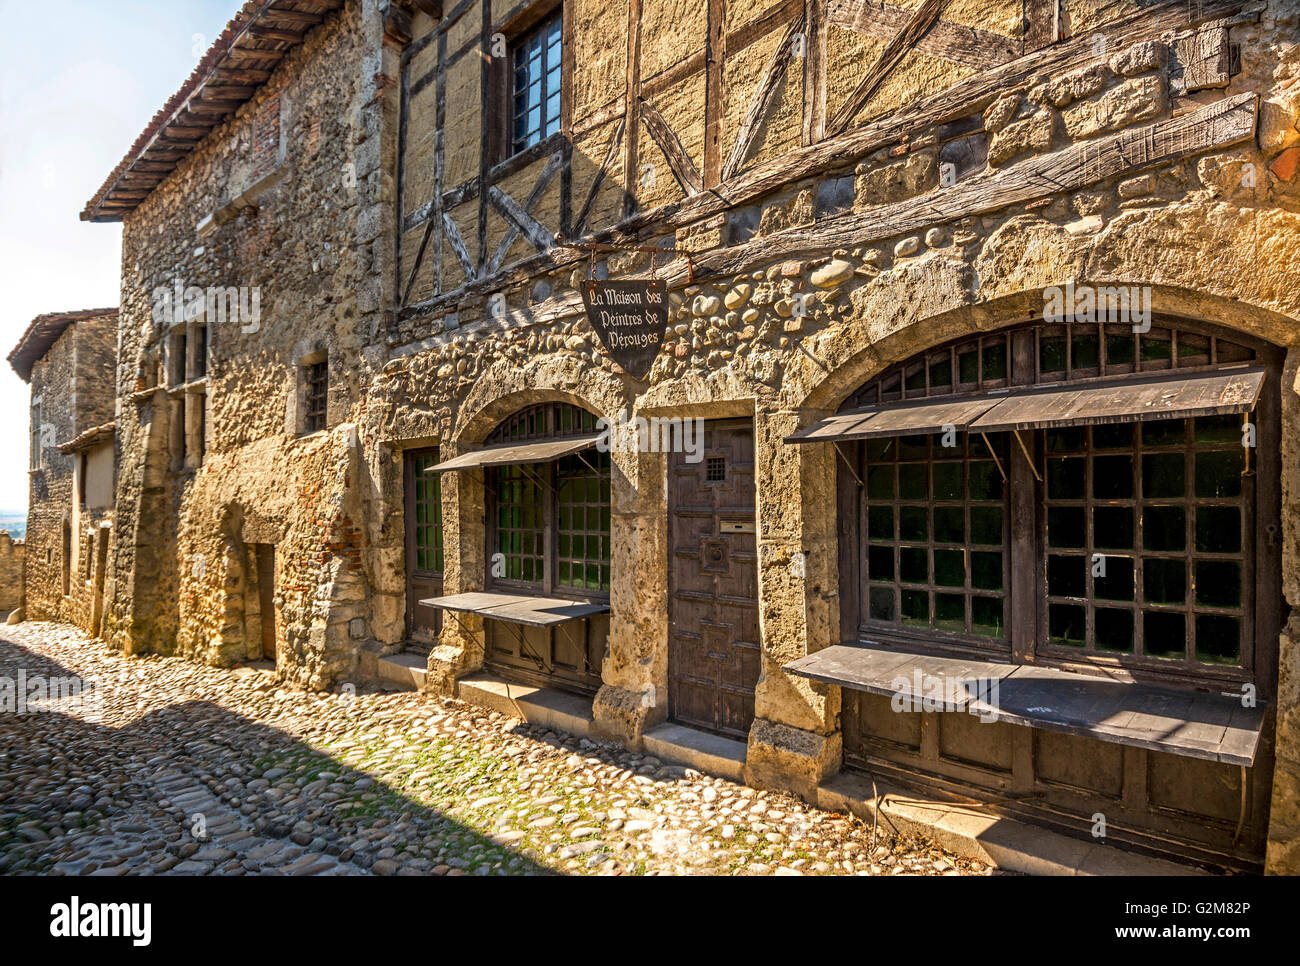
1201, 394
904, 419
517, 454
518, 609
1170, 396
1176, 721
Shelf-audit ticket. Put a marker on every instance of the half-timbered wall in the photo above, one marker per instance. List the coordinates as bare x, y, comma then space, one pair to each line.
854, 182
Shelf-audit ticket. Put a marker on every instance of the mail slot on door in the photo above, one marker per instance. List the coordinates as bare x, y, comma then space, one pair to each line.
736, 526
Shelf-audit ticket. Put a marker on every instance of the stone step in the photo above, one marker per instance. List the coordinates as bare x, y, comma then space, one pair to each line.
997, 840
544, 707
406, 670
712, 754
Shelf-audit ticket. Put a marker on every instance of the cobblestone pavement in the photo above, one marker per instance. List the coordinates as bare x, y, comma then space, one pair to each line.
184, 769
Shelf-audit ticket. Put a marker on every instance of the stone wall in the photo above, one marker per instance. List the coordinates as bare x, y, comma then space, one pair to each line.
49, 505
13, 556
303, 223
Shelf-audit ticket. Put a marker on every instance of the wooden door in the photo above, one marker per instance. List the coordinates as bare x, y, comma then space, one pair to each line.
424, 559
713, 636
266, 597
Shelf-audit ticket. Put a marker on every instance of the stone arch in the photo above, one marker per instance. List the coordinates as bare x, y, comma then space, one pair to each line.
853, 362
505, 389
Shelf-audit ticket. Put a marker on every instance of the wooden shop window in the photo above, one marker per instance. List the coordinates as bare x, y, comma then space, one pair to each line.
550, 521
1045, 528
936, 536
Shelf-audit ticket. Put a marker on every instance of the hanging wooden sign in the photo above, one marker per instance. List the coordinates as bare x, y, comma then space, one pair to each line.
630, 319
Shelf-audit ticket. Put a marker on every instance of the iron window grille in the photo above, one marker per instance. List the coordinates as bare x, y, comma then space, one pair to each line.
316, 386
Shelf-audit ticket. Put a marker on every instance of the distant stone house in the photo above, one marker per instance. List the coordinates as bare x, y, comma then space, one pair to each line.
68, 358
983, 309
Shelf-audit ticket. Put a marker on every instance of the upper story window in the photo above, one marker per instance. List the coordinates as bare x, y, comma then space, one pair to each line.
36, 454
536, 81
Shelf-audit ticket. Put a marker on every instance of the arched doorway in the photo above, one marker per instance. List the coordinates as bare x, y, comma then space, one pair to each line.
1086, 509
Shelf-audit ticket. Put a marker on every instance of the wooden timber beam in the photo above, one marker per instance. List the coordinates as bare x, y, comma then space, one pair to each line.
278, 16
968, 46
903, 41
241, 75
814, 72
632, 111
679, 162
716, 48
541, 237
517, 226
615, 139
1213, 127
963, 100
452, 234
761, 98
287, 34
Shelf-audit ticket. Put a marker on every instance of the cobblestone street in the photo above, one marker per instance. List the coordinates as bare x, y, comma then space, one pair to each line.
184, 769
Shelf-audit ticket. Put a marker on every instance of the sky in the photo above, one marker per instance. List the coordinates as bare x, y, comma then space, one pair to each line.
71, 103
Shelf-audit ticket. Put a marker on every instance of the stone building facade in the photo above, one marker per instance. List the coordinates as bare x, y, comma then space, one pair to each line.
68, 358
860, 212
13, 565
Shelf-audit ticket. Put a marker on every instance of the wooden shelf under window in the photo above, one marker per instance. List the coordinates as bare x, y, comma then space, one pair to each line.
1195, 724
519, 609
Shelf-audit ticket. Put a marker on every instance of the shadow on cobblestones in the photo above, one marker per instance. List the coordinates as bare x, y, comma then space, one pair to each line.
185, 769
193, 788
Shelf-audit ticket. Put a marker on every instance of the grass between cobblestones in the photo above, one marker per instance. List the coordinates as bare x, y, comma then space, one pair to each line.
387, 783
